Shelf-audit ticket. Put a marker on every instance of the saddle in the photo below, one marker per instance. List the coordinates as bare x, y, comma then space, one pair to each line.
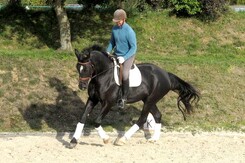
135, 78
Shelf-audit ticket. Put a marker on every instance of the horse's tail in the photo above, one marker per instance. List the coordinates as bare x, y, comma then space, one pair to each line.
187, 94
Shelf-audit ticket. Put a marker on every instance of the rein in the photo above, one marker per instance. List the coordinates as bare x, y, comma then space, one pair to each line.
91, 77
101, 72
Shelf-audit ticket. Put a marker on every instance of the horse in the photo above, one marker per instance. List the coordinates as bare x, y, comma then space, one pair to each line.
95, 69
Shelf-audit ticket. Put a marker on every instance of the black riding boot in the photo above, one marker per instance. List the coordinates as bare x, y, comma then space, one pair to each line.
124, 89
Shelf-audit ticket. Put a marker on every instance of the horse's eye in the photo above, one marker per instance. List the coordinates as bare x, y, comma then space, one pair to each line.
81, 68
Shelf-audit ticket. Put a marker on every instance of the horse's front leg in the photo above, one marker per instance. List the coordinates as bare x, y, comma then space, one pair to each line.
104, 110
80, 125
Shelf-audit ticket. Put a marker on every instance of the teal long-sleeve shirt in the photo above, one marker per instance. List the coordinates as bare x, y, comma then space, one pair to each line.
123, 39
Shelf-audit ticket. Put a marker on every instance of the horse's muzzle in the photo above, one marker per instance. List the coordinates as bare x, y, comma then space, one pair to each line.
82, 85
83, 82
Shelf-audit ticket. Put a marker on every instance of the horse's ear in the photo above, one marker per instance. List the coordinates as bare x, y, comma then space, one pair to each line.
86, 55
77, 53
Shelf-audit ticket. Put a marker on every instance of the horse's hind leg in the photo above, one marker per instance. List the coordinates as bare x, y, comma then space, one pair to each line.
157, 129
135, 127
148, 108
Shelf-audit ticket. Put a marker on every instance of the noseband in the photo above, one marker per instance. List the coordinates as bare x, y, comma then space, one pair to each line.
82, 79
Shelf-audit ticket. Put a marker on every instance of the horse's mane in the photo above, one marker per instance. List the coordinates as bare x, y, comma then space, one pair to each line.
95, 47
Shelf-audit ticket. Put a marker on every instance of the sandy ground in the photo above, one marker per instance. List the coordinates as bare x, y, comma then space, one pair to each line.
172, 147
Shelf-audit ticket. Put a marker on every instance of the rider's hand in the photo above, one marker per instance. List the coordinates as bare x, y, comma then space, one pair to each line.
120, 59
110, 56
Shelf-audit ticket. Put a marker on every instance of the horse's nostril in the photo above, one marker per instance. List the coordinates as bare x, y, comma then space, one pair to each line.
82, 86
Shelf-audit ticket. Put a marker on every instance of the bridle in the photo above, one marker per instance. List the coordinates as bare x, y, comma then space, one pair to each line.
91, 76
85, 79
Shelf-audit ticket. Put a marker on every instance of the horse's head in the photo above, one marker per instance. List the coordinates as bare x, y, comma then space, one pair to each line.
84, 68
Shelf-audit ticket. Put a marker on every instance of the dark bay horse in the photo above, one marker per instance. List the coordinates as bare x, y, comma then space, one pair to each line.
95, 70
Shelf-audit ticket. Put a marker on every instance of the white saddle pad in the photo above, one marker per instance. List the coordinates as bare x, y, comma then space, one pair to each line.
135, 78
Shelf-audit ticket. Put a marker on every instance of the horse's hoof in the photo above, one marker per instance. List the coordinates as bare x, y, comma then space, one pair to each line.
107, 140
73, 143
120, 141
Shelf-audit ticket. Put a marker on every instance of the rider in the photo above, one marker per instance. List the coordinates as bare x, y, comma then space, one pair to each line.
123, 42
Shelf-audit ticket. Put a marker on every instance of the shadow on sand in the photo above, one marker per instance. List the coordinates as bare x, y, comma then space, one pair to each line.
67, 111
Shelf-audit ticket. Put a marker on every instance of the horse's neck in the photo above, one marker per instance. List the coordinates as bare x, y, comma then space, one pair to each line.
101, 63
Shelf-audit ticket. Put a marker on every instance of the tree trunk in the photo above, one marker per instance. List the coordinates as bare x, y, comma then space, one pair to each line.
64, 25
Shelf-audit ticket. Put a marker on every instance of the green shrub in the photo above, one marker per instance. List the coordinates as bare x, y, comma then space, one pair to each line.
213, 9
207, 10
186, 7
236, 2
241, 2
34, 2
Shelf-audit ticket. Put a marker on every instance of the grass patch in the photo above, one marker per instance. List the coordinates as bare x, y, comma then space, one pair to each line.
1, 92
